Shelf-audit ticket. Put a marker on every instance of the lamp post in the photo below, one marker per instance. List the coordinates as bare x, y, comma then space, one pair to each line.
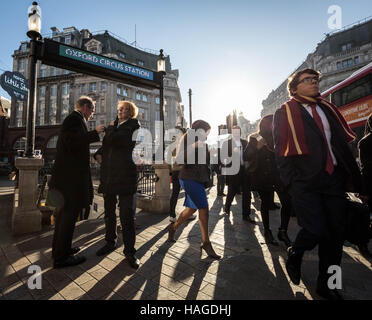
161, 70
34, 27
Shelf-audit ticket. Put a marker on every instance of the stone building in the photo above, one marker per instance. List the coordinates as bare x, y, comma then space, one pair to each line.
59, 89
339, 55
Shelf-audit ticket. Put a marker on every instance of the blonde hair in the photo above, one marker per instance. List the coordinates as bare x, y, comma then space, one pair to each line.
133, 108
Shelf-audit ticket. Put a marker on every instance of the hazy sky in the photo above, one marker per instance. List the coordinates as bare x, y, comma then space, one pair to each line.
230, 53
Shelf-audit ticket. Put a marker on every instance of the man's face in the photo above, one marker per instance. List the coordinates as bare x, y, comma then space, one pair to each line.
88, 111
308, 85
124, 112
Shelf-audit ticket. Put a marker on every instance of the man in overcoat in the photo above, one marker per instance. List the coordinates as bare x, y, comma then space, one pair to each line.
71, 183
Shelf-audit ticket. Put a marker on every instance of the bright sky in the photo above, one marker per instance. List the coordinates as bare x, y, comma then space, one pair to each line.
230, 53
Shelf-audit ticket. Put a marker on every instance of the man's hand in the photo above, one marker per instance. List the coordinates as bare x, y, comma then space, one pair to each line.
112, 123
98, 158
100, 128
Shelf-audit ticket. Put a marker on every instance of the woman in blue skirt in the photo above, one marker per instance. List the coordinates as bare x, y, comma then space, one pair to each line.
194, 177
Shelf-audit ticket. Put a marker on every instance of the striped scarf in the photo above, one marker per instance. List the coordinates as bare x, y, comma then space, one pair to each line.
292, 133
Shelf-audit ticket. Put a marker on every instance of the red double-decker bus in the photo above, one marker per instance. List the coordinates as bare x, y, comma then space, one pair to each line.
353, 97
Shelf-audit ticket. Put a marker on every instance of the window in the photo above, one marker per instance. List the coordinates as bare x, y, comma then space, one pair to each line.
122, 55
103, 106
54, 72
144, 98
103, 86
125, 92
338, 65
53, 90
42, 90
21, 65
118, 90
24, 47
40, 113
138, 96
65, 71
20, 144
157, 100
65, 89
53, 104
68, 39
141, 114
346, 47
92, 87
356, 60
141, 63
157, 115
83, 88
52, 143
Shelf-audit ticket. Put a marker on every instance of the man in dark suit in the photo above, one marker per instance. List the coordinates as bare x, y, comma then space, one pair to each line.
71, 183
315, 163
239, 181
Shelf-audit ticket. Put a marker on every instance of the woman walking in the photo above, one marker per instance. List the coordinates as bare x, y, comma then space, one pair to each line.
194, 177
265, 179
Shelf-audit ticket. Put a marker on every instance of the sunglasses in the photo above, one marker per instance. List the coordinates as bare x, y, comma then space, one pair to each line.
310, 80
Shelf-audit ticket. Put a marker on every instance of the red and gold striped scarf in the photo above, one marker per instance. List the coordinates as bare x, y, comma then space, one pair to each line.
292, 133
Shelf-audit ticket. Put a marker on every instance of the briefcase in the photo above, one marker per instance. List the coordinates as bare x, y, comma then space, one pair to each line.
358, 221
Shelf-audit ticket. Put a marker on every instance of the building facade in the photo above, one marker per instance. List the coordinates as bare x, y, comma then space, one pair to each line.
338, 56
59, 89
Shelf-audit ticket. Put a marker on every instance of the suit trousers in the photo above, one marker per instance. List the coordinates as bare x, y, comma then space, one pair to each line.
126, 214
220, 184
322, 216
175, 193
241, 181
63, 232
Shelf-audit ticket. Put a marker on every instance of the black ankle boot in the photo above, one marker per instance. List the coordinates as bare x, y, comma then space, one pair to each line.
293, 265
269, 238
283, 236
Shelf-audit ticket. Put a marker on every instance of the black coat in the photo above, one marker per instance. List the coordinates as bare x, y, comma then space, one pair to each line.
71, 169
262, 168
118, 171
307, 171
365, 154
230, 145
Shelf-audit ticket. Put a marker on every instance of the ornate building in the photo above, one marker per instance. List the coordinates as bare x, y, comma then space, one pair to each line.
339, 55
59, 89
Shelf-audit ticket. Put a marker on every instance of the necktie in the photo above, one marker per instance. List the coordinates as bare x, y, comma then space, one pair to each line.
329, 165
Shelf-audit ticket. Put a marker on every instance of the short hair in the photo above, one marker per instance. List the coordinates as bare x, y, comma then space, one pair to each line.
293, 79
265, 126
201, 124
83, 100
132, 107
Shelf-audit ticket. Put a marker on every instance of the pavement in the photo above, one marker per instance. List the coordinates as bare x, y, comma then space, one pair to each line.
249, 268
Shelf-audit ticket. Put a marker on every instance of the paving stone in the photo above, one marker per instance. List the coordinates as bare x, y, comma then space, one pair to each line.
96, 290
71, 291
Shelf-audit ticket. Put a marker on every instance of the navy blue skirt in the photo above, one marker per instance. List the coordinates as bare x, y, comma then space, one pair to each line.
196, 197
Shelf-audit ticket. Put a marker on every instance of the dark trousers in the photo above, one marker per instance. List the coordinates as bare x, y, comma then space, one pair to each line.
285, 211
175, 193
220, 184
323, 217
240, 181
126, 214
63, 232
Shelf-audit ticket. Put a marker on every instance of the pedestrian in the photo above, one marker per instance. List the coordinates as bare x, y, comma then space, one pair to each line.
194, 177
365, 156
71, 181
241, 180
316, 165
265, 179
119, 179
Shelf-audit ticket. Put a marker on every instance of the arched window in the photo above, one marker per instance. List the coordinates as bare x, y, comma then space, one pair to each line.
52, 143
20, 144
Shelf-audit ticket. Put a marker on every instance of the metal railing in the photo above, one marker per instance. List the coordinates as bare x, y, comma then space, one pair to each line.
146, 180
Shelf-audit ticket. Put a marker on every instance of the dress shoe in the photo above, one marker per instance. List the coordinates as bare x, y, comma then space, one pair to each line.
69, 262
106, 249
207, 247
269, 238
74, 250
283, 236
133, 261
249, 219
293, 265
329, 294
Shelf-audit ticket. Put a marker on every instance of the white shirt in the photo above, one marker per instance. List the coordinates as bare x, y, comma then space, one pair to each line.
327, 128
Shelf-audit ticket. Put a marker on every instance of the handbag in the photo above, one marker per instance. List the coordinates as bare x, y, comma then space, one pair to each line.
358, 221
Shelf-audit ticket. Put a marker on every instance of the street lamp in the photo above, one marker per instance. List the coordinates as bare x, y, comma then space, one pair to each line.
34, 28
161, 70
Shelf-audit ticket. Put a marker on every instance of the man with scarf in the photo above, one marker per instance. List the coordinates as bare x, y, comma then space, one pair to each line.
316, 164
